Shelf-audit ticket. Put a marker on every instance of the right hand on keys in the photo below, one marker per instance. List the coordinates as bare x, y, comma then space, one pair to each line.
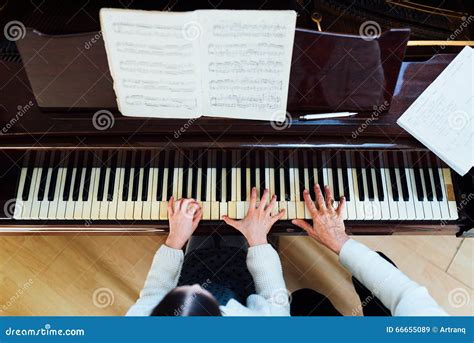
328, 225
258, 221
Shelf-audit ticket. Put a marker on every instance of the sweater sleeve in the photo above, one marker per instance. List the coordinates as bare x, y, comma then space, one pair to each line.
264, 265
162, 278
402, 296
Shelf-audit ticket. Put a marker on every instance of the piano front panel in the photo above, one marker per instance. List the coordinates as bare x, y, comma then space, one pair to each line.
122, 187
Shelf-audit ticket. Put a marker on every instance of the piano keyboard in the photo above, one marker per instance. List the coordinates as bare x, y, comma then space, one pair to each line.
135, 185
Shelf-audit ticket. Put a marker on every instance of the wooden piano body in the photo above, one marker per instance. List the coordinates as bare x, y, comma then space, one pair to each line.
32, 127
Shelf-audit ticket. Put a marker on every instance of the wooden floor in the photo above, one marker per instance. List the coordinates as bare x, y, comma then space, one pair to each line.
102, 275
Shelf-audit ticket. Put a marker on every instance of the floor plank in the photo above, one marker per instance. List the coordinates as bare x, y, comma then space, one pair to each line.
463, 263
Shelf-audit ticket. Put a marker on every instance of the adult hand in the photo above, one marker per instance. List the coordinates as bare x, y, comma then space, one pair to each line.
184, 216
258, 221
328, 225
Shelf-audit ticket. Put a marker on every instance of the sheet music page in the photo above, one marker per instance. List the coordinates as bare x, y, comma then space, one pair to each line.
246, 60
442, 116
154, 61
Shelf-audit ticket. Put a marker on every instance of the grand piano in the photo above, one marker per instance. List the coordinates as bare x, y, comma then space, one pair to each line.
69, 162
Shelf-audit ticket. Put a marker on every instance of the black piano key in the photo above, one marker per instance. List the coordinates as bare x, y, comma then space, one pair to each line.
360, 181
378, 176
263, 165
87, 177
253, 169
418, 184
219, 164
29, 175
370, 182
437, 184
335, 179
320, 165
204, 161
136, 175
403, 177
77, 179
126, 179
275, 163
161, 171
286, 171
428, 186
43, 177
186, 158
195, 181
345, 176
228, 181
68, 180
300, 165
310, 154
147, 162
54, 175
171, 165
393, 178
112, 176
243, 175
103, 170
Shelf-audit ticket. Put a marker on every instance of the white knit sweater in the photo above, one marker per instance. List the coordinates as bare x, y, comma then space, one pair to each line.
398, 293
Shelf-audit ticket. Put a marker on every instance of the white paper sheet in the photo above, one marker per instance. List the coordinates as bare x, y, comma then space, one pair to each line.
219, 63
442, 118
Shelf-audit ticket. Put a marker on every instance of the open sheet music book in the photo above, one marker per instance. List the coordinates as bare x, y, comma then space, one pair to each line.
442, 118
219, 63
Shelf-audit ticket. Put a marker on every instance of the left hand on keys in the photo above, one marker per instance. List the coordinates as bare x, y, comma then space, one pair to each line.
184, 216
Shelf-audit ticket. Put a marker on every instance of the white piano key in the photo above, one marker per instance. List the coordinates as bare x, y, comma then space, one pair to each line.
376, 205
104, 204
357, 204
426, 204
117, 190
155, 204
147, 205
444, 203
299, 204
95, 208
17, 214
70, 203
402, 209
232, 206
121, 204
394, 215
206, 203
53, 207
214, 204
282, 203
306, 156
292, 203
165, 195
138, 206
448, 185
368, 205
223, 204
79, 206
435, 206
179, 173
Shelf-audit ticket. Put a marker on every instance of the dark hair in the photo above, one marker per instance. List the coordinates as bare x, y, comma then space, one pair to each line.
181, 302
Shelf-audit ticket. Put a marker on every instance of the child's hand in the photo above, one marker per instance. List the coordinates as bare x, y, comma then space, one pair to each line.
184, 216
258, 221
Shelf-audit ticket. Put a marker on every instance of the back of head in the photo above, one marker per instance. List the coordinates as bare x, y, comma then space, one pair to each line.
187, 301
